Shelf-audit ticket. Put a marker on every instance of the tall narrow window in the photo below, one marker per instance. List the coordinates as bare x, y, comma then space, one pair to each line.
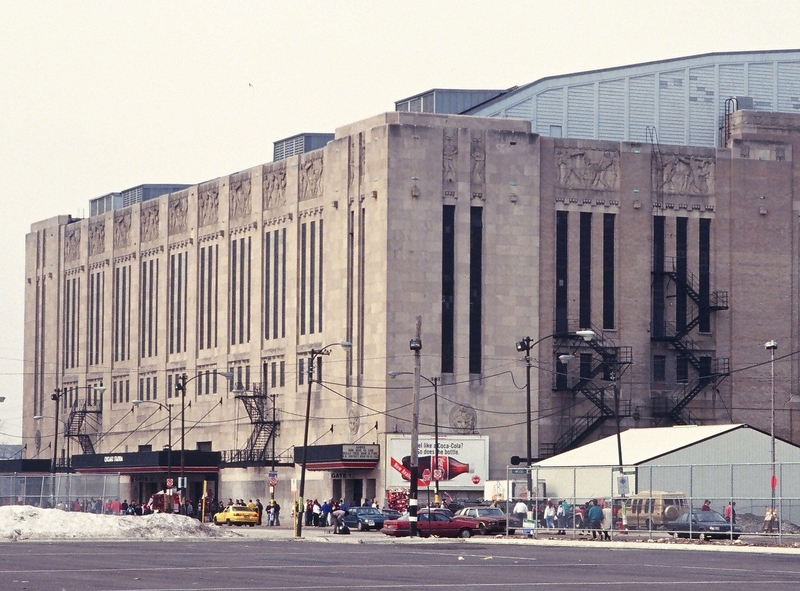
562, 324
312, 268
448, 287
659, 312
585, 271
177, 302
302, 279
608, 270
121, 332
319, 281
267, 284
475, 289
207, 283
240, 290
659, 368
704, 274
96, 297
148, 308
681, 271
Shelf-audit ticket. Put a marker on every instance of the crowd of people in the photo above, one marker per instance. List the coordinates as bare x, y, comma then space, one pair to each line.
324, 514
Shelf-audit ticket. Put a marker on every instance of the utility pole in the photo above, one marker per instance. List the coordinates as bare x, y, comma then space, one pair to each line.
413, 505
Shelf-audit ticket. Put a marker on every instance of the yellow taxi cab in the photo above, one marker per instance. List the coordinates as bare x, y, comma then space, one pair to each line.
237, 515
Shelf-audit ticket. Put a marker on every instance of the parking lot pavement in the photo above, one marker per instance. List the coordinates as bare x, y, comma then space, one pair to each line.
658, 541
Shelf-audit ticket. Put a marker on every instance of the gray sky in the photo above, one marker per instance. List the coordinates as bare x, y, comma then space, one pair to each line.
98, 97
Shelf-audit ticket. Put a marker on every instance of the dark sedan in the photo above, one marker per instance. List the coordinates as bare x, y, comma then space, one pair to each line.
431, 523
705, 524
490, 519
364, 518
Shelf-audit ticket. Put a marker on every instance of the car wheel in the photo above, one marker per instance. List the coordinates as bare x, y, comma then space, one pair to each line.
735, 536
511, 532
252, 524
648, 524
465, 533
483, 529
228, 521
361, 526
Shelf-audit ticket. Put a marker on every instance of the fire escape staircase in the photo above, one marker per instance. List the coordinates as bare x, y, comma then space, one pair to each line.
709, 374
265, 427
609, 362
81, 420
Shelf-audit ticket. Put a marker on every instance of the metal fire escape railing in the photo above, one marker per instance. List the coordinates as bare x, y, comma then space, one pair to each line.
264, 418
607, 362
82, 423
710, 371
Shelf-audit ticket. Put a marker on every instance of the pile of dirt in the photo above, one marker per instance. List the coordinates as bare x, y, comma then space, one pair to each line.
755, 523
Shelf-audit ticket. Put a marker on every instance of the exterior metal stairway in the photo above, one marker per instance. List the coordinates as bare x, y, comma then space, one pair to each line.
264, 419
81, 420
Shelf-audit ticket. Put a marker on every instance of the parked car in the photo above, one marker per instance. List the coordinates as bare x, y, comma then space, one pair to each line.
431, 523
655, 509
236, 515
391, 513
490, 519
364, 518
706, 524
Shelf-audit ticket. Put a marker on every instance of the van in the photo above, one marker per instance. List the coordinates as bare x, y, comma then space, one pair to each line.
654, 509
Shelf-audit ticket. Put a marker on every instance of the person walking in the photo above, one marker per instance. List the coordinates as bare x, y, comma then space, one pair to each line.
259, 510
595, 518
608, 519
561, 516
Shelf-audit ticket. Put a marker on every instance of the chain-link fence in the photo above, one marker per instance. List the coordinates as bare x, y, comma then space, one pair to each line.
71, 492
746, 494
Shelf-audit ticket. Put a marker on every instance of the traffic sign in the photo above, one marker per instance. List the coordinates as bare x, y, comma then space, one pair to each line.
438, 474
426, 476
170, 483
273, 479
519, 470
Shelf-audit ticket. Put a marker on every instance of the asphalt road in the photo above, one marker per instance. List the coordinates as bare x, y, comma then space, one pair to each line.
251, 564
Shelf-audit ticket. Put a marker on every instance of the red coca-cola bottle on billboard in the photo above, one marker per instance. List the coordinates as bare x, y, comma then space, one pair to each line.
450, 467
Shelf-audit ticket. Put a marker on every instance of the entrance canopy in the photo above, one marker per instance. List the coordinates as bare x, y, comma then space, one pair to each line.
339, 456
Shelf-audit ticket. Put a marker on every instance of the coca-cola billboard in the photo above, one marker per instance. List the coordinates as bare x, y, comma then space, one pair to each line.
463, 461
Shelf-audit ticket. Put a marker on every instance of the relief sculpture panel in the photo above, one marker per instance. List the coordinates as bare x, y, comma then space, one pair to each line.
580, 168
122, 229
274, 187
72, 243
687, 175
449, 155
240, 196
208, 204
178, 208
97, 237
148, 223
311, 178
478, 160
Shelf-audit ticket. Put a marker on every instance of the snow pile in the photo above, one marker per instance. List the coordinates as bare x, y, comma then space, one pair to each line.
23, 522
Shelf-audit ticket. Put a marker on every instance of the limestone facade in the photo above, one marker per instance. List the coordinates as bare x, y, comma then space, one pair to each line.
488, 232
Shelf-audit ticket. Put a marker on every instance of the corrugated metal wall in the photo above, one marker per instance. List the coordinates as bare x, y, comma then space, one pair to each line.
683, 103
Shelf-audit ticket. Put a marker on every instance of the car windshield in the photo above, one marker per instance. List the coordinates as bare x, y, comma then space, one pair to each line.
369, 511
490, 512
708, 516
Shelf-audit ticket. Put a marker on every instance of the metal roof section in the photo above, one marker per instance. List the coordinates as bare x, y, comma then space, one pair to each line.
137, 194
447, 100
683, 98
639, 445
299, 144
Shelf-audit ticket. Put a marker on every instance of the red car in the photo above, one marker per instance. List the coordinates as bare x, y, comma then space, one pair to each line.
431, 523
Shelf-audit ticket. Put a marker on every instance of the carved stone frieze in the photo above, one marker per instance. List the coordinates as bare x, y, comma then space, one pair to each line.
684, 174
122, 229
72, 243
240, 204
208, 204
274, 187
581, 168
97, 237
176, 216
449, 155
311, 178
149, 221
464, 419
477, 154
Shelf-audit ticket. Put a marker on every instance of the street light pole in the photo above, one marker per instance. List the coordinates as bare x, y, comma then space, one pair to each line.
435, 383
180, 386
415, 345
169, 431
314, 353
771, 346
56, 395
526, 344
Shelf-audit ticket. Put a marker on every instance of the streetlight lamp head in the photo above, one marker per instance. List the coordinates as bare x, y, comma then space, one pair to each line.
2, 398
415, 344
394, 374
225, 374
522, 346
586, 334
346, 345
99, 389
137, 402
771, 345
38, 417
566, 358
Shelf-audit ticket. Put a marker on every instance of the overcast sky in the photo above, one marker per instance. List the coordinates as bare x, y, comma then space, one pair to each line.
98, 97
